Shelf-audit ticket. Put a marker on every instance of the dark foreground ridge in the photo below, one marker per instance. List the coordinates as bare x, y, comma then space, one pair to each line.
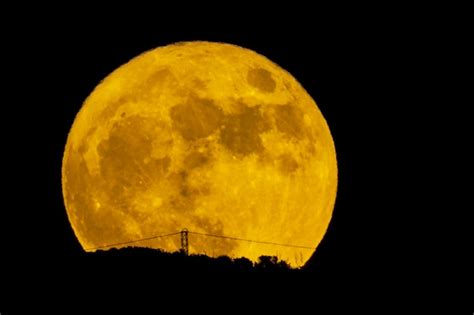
195, 262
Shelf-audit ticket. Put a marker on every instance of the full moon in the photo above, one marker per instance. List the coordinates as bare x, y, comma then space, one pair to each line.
210, 137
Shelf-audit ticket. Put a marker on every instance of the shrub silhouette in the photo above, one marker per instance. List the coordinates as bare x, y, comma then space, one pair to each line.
193, 262
271, 263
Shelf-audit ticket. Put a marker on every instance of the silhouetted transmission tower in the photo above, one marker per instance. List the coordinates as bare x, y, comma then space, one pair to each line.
184, 241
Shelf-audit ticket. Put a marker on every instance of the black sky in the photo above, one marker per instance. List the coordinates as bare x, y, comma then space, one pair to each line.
350, 64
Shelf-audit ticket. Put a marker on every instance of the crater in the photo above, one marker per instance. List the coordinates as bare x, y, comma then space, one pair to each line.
185, 197
289, 120
287, 164
196, 159
157, 78
261, 79
112, 107
199, 84
125, 156
197, 118
241, 132
84, 146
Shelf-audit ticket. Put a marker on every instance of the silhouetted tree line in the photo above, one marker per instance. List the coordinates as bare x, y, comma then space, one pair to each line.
196, 262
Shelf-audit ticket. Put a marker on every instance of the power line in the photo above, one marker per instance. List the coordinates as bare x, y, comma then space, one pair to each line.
253, 241
203, 234
134, 241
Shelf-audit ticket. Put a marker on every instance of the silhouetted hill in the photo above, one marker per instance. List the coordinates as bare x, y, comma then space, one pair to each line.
179, 261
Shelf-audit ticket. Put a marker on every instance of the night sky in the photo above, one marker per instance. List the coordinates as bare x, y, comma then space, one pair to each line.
343, 62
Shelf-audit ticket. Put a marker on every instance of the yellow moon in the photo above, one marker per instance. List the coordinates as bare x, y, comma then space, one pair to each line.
206, 136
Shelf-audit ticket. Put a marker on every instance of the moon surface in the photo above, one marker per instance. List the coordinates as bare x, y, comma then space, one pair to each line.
205, 136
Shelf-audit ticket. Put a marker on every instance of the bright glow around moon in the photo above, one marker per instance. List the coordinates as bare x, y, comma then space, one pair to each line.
206, 136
